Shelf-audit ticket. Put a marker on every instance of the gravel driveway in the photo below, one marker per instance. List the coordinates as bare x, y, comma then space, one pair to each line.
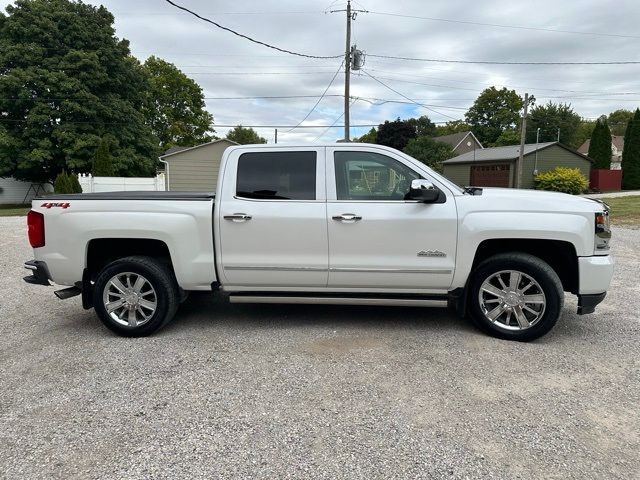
315, 391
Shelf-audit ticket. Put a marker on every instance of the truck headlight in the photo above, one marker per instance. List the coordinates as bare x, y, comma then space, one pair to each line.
603, 231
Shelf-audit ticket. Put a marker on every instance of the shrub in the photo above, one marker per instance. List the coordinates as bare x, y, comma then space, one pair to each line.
560, 179
62, 183
75, 183
67, 183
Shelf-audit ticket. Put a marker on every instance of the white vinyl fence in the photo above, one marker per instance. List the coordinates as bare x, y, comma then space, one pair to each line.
91, 184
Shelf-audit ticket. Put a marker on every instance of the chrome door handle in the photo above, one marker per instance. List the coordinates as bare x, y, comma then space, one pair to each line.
347, 218
238, 217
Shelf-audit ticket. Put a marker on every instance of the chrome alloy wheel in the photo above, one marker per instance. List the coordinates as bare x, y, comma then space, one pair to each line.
512, 300
130, 299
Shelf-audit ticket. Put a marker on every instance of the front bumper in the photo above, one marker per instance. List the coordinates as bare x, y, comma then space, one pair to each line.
587, 303
39, 273
595, 274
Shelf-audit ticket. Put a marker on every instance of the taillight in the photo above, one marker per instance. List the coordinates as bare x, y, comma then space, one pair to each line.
35, 222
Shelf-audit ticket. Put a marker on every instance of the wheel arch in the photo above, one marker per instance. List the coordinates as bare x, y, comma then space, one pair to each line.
558, 254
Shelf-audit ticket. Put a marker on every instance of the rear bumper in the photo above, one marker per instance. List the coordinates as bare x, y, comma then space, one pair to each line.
587, 303
39, 273
595, 274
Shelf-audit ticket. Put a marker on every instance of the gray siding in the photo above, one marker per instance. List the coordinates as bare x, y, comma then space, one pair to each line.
550, 158
13, 191
464, 148
458, 174
196, 170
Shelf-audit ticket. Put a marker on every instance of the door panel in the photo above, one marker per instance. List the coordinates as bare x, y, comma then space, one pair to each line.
395, 244
284, 242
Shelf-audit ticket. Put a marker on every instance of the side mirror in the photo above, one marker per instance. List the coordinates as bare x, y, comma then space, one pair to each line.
423, 191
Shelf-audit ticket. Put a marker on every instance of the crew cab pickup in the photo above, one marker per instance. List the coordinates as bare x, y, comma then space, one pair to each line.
342, 223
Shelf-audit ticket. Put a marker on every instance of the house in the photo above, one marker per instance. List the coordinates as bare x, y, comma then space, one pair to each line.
617, 145
461, 142
194, 169
495, 167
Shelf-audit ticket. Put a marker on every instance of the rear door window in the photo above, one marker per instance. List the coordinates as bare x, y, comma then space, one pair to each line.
277, 175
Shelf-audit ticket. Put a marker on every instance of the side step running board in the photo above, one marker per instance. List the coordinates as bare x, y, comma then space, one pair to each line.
341, 300
67, 293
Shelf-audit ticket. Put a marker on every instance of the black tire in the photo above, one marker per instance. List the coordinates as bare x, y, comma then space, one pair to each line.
535, 268
166, 294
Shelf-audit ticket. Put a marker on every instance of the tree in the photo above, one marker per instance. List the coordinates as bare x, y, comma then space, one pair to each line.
395, 134
102, 161
369, 137
600, 145
509, 137
61, 183
176, 107
75, 183
584, 130
493, 112
551, 117
631, 154
618, 121
244, 136
423, 126
454, 126
65, 82
429, 151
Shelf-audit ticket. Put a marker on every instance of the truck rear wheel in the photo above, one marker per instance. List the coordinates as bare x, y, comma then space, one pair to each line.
515, 296
135, 296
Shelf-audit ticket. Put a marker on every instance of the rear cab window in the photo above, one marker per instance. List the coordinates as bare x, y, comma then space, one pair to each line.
277, 175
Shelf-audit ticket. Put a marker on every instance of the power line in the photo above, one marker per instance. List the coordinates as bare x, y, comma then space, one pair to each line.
319, 99
488, 62
407, 98
253, 73
246, 37
498, 25
335, 121
404, 74
62, 122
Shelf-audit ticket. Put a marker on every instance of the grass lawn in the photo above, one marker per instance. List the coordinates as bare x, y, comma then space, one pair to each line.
624, 210
14, 210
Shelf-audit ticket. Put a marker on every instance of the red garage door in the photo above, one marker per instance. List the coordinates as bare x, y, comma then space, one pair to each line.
490, 175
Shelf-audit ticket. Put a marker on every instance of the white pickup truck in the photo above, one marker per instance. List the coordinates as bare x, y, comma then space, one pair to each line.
340, 223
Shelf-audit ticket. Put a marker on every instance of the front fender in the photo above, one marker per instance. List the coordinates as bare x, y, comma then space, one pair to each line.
478, 227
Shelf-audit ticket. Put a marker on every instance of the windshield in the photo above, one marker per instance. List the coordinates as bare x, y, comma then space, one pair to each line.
452, 186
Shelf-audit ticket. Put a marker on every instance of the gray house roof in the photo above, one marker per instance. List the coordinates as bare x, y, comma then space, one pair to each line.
175, 150
510, 152
455, 139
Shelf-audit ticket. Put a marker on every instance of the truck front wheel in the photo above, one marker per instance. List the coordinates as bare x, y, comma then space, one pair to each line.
515, 296
135, 296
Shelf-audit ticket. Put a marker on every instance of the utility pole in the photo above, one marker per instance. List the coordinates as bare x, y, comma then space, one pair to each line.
348, 56
523, 132
276, 135
347, 75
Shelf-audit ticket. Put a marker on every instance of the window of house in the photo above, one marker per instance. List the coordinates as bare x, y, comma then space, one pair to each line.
371, 176
277, 175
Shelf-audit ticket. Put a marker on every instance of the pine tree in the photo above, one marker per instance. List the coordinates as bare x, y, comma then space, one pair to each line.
631, 154
102, 162
600, 145
62, 183
75, 183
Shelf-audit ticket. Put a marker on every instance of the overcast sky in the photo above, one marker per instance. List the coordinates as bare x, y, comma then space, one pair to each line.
229, 66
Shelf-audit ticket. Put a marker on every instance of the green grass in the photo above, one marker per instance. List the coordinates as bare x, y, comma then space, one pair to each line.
624, 210
14, 210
